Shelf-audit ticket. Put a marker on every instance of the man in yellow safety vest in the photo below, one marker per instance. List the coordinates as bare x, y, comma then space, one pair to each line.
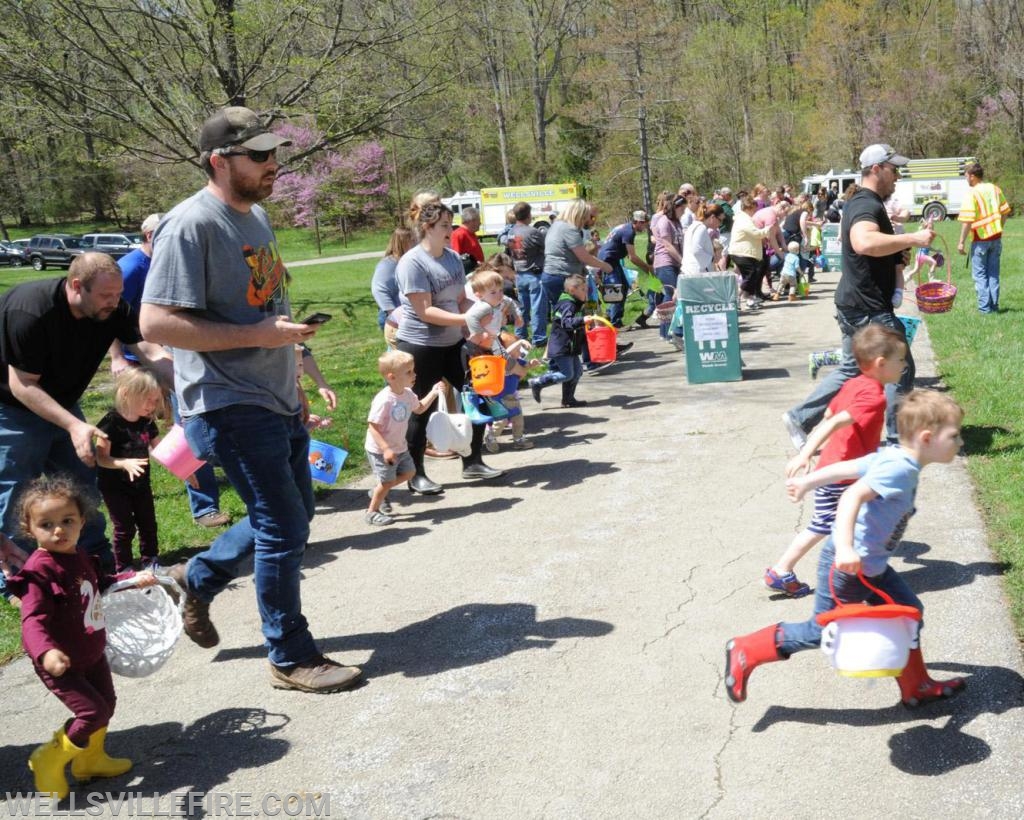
982, 213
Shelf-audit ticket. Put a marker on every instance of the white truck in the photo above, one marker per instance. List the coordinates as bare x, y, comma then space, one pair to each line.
929, 188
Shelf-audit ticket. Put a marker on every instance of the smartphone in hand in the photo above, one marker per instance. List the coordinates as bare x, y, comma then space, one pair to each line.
316, 319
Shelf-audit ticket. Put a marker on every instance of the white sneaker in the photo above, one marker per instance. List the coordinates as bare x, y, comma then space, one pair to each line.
796, 433
490, 442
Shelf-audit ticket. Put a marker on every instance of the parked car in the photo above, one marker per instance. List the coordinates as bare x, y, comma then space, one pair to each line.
11, 254
56, 250
116, 244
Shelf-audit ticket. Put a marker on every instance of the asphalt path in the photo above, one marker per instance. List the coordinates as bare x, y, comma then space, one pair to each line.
550, 644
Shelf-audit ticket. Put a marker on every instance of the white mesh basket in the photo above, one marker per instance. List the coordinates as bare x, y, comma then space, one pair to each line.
143, 625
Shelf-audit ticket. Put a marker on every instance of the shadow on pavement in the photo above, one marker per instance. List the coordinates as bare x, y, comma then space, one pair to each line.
560, 475
753, 374
933, 575
924, 749
169, 757
463, 636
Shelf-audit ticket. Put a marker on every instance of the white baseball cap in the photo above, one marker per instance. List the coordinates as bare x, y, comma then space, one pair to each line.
881, 152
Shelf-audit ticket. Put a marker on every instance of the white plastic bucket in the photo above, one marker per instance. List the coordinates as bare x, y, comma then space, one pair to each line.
865, 647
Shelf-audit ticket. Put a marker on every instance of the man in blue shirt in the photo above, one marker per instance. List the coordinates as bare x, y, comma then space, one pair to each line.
621, 242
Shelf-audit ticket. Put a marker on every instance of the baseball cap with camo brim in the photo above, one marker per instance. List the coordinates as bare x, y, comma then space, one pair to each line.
881, 152
239, 126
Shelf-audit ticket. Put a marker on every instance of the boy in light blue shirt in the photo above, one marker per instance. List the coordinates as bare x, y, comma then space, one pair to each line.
870, 522
790, 273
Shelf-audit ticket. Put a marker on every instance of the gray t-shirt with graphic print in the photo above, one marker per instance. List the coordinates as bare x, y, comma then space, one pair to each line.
224, 266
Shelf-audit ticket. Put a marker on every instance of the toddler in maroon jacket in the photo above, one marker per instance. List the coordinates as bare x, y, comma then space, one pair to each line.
63, 632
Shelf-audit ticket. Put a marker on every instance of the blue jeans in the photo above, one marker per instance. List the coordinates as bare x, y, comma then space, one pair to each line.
29, 447
533, 300
985, 272
564, 370
795, 637
265, 457
812, 411
206, 497
554, 286
668, 276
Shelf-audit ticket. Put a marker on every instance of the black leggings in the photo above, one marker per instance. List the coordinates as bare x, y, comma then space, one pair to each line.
750, 273
433, 364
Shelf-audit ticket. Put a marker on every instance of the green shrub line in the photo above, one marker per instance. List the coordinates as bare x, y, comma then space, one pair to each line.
977, 357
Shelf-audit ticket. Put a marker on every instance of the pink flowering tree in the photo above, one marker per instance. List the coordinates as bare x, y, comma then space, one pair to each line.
342, 190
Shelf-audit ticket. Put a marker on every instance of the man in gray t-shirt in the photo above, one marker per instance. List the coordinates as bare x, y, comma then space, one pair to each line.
217, 293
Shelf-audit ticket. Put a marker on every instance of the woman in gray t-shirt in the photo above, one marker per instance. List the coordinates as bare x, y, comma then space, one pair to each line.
431, 285
564, 251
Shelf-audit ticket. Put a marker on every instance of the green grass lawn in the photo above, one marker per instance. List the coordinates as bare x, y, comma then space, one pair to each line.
978, 359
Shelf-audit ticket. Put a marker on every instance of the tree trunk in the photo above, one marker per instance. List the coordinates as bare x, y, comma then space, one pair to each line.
641, 117
95, 189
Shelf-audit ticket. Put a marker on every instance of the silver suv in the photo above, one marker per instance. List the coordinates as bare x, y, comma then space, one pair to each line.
116, 244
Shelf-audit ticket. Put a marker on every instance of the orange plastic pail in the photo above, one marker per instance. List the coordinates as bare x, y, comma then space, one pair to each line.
488, 374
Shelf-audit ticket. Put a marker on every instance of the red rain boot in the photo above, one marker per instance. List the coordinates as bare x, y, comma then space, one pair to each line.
743, 655
917, 688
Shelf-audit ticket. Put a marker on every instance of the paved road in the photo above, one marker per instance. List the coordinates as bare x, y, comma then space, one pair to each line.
550, 645
351, 257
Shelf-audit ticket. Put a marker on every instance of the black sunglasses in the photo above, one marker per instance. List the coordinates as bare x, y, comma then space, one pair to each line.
258, 157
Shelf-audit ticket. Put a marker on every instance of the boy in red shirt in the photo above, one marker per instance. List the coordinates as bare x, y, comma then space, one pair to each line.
852, 428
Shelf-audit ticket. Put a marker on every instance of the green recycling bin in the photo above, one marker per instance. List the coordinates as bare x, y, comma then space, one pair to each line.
832, 245
711, 328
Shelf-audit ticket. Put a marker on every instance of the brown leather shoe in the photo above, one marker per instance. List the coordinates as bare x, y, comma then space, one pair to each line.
196, 615
320, 675
213, 519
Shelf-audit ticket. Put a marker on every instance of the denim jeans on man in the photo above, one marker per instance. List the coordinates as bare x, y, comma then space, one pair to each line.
265, 456
812, 411
985, 272
29, 447
206, 497
797, 636
533, 302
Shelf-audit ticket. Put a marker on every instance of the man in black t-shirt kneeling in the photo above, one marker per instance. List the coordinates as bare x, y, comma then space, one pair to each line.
54, 334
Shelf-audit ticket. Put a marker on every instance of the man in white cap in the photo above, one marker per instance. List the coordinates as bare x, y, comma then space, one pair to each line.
872, 252
217, 292
620, 244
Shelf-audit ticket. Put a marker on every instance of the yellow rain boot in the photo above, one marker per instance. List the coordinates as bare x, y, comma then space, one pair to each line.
48, 762
95, 762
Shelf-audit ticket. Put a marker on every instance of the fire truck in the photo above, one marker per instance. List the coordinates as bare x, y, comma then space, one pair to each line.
929, 188
494, 203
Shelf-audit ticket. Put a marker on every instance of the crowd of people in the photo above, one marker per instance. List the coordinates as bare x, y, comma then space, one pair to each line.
207, 310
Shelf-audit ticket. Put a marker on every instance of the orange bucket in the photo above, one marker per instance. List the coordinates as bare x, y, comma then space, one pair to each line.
488, 374
601, 342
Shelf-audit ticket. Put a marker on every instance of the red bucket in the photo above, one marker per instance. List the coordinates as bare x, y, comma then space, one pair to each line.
601, 342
